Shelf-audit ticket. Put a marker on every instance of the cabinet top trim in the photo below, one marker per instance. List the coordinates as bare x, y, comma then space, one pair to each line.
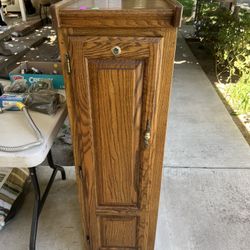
118, 13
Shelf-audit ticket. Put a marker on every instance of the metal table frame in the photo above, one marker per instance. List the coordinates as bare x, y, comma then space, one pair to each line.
40, 199
11, 125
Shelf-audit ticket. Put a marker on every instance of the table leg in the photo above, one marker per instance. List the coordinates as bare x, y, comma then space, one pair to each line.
39, 201
36, 208
54, 166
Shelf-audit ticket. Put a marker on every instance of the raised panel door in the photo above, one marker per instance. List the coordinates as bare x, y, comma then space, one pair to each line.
116, 96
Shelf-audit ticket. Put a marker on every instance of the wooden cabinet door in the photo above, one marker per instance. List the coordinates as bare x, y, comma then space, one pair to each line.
115, 82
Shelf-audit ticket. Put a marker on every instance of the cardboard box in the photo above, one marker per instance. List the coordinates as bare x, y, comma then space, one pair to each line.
45, 67
9, 99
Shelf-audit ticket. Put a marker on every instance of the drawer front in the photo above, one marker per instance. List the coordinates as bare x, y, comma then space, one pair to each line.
115, 82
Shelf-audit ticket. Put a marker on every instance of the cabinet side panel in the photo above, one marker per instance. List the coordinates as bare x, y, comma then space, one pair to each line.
161, 111
116, 92
69, 89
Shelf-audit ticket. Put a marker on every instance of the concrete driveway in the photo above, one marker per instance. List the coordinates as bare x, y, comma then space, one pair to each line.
205, 198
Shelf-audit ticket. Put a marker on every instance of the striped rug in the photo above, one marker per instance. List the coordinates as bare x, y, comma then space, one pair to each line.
12, 181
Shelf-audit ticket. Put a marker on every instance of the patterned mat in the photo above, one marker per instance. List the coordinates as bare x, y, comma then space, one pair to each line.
12, 181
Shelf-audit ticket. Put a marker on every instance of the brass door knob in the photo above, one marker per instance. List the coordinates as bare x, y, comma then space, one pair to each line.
116, 51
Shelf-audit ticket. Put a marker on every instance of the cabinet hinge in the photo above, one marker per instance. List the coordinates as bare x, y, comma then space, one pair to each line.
147, 135
67, 59
88, 239
80, 172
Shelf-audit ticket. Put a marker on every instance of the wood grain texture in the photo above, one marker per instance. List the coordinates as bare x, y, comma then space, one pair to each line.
118, 232
116, 117
115, 101
121, 5
111, 100
118, 32
163, 94
69, 21
71, 105
147, 14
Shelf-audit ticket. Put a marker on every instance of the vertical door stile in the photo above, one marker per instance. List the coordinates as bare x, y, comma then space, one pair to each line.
147, 154
86, 148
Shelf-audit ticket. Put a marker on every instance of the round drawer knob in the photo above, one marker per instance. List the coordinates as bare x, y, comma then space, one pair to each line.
116, 51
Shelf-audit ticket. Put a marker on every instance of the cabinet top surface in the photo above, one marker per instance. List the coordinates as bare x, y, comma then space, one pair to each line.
88, 5
118, 13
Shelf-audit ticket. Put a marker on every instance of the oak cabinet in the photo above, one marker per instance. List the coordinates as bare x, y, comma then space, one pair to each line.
118, 69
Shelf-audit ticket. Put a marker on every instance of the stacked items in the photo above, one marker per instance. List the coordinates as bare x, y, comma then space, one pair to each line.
40, 96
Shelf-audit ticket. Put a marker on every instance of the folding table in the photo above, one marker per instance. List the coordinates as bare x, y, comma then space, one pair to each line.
15, 130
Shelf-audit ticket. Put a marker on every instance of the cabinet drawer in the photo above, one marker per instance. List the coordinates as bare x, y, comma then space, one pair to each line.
104, 47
